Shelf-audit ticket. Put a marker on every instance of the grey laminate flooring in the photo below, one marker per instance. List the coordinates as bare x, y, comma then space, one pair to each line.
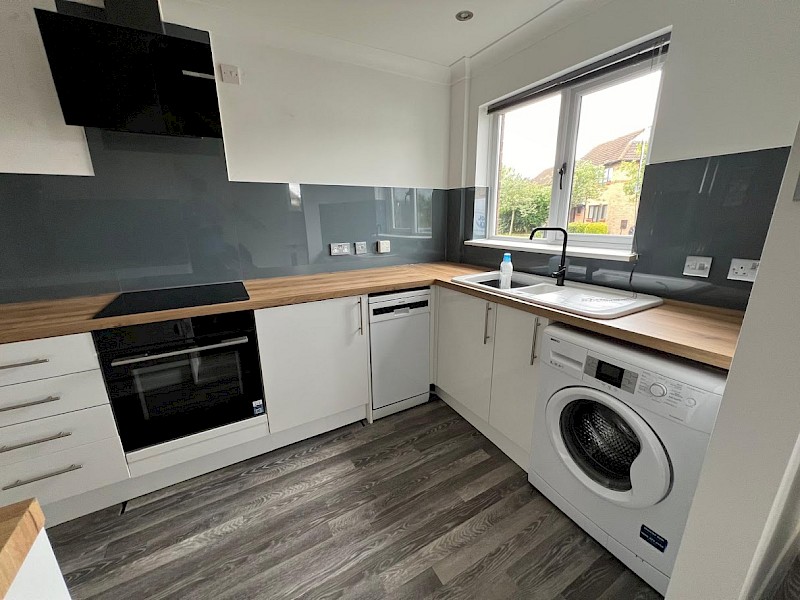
416, 505
789, 588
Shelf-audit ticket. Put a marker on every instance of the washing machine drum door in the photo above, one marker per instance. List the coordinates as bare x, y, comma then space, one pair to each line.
608, 447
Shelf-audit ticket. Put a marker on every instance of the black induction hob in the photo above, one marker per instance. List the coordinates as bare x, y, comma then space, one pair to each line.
131, 303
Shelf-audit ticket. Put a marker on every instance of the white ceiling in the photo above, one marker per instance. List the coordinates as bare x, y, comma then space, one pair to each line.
422, 29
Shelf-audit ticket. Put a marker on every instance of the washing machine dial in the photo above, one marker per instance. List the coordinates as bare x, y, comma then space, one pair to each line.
659, 390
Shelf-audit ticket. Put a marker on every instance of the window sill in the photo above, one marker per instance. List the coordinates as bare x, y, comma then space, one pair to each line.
575, 251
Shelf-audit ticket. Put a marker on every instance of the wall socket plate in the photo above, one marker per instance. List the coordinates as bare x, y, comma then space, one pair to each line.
697, 266
230, 74
384, 246
340, 249
743, 269
361, 247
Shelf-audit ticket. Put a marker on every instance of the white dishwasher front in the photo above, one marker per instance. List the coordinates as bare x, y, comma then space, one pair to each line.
400, 325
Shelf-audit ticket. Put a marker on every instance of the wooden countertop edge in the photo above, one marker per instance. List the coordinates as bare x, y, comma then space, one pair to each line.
613, 328
713, 344
20, 523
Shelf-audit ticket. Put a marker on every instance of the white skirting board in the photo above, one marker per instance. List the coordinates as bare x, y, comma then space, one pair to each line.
78, 506
512, 450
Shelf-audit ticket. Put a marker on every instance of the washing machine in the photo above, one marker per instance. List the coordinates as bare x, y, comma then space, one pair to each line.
619, 437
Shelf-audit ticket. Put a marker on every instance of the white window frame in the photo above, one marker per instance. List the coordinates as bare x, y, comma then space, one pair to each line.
565, 152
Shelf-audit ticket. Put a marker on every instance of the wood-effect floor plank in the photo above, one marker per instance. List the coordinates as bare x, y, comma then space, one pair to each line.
417, 505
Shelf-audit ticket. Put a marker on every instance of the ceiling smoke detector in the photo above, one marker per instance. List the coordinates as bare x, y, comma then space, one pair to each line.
464, 15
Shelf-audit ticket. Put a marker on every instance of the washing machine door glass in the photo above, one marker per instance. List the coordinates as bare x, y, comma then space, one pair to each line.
607, 446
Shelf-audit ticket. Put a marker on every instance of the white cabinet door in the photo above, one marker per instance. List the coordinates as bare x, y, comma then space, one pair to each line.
515, 374
464, 350
314, 359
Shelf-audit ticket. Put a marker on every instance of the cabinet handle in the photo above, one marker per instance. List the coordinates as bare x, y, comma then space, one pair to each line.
30, 363
33, 403
21, 482
486, 324
360, 315
533, 343
58, 436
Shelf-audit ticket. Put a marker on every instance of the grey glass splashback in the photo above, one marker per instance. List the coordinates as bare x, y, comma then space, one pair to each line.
718, 206
160, 212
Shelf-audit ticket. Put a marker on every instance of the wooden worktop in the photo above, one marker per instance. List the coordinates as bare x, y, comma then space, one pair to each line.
20, 523
687, 330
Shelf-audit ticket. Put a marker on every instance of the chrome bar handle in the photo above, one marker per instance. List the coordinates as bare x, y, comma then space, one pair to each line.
58, 436
30, 363
361, 315
486, 323
21, 482
32, 403
535, 336
138, 359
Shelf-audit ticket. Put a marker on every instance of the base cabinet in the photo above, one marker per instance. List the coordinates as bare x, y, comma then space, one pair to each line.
515, 375
314, 359
464, 349
487, 362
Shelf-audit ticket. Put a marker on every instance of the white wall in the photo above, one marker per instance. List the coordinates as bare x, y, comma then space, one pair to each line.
731, 82
301, 117
757, 428
34, 138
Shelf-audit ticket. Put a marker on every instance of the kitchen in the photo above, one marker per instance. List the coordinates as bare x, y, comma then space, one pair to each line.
139, 257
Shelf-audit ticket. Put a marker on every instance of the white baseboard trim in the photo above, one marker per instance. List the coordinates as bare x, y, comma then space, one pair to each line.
512, 450
78, 506
385, 411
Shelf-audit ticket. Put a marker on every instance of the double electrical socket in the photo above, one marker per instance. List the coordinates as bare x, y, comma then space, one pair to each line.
344, 248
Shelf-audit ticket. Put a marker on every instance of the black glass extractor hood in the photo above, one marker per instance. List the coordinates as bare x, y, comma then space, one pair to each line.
114, 77
130, 303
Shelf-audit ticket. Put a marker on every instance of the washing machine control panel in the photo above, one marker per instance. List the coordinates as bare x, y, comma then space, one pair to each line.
611, 374
665, 396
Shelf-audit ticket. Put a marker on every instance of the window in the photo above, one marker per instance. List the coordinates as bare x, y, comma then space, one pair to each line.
575, 157
596, 213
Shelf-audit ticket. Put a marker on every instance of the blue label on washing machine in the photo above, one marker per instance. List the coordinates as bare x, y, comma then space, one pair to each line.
652, 538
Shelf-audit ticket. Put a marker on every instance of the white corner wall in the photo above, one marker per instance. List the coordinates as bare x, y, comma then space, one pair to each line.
34, 138
738, 498
731, 83
322, 115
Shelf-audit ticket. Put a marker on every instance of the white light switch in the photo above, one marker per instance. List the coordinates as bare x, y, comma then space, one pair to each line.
743, 269
384, 246
230, 74
697, 266
361, 247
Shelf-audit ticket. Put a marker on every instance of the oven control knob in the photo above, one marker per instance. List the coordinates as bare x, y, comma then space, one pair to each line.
659, 390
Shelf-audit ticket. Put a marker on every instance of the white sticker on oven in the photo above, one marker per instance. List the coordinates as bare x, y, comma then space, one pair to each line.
258, 407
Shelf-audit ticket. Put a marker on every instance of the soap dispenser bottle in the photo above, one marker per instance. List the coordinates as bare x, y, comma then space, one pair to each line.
506, 270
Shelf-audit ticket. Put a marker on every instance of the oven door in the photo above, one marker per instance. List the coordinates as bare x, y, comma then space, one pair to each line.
167, 395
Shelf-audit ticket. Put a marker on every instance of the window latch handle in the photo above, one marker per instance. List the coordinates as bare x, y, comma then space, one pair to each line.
561, 172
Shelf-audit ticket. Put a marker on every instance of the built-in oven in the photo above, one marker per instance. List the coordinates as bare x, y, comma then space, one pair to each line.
176, 378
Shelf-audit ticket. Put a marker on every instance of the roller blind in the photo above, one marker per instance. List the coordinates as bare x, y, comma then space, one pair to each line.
650, 50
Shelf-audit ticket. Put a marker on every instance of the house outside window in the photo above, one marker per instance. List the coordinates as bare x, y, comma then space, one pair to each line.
575, 159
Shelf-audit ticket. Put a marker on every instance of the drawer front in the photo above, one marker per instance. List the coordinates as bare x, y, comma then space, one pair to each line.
47, 397
63, 474
25, 441
49, 357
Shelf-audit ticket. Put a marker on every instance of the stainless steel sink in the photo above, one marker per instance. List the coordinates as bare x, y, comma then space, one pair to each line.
577, 298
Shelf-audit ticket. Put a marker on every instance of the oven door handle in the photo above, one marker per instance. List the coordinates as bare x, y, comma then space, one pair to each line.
140, 359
